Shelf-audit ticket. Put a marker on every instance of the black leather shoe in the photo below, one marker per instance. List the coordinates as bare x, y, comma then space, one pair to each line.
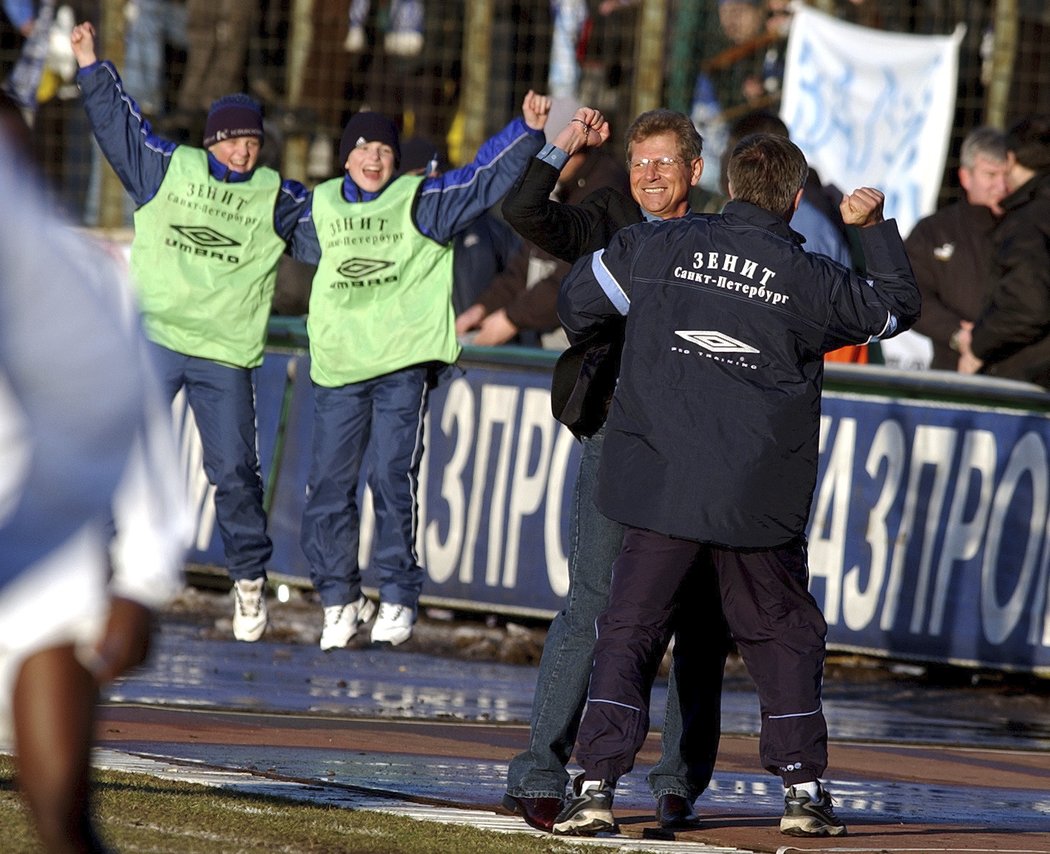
675, 811
537, 812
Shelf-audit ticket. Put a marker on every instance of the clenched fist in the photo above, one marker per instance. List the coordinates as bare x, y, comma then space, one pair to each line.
862, 207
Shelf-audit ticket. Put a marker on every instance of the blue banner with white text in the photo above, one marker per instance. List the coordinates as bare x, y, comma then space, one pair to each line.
928, 536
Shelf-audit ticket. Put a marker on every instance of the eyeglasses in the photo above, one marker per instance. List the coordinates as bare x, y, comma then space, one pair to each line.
663, 165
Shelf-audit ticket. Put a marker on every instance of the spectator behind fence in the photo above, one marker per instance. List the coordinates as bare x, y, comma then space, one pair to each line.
1011, 337
952, 251
151, 26
520, 304
725, 452
664, 156
482, 250
210, 229
21, 14
817, 218
85, 436
216, 57
382, 331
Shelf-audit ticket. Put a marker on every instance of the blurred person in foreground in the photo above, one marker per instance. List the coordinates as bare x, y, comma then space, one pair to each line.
85, 441
1011, 337
715, 420
952, 251
664, 161
211, 225
382, 335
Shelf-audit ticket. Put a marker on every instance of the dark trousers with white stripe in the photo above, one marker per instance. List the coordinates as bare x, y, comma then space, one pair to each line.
777, 626
378, 421
222, 398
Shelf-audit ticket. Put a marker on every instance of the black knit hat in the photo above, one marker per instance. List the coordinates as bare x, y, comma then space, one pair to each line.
232, 116
369, 127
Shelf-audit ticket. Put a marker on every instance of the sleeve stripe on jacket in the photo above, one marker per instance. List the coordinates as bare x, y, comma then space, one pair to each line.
607, 282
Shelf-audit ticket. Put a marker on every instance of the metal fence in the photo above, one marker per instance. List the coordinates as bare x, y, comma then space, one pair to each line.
453, 72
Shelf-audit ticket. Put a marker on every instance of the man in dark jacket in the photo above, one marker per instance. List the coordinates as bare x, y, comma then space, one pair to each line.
1012, 336
664, 157
710, 458
952, 251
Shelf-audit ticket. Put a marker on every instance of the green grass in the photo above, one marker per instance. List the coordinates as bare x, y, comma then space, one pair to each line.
139, 813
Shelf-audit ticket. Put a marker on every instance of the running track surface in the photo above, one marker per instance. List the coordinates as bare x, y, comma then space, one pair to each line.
912, 769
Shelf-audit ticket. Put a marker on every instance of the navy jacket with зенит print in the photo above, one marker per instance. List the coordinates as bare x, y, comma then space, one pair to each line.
716, 415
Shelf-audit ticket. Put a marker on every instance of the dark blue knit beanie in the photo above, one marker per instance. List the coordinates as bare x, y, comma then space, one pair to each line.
369, 127
232, 116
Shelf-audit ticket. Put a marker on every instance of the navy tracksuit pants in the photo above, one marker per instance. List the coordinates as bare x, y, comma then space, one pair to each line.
222, 398
384, 417
660, 581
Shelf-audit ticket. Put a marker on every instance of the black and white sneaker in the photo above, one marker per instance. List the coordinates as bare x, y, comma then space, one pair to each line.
589, 812
804, 816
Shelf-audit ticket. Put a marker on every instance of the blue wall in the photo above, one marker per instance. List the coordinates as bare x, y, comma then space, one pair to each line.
928, 537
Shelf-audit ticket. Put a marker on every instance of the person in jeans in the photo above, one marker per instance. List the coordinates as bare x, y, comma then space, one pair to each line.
715, 421
664, 161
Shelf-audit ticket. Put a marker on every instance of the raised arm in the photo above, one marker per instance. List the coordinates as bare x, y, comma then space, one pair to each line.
885, 300
450, 202
567, 231
82, 39
139, 158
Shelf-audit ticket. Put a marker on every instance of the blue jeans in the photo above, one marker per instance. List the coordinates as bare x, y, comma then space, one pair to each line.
565, 667
222, 399
385, 415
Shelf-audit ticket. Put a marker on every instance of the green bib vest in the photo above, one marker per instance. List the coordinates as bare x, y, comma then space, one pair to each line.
204, 261
382, 295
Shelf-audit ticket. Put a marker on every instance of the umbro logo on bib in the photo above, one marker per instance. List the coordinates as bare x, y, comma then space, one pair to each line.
203, 242
357, 268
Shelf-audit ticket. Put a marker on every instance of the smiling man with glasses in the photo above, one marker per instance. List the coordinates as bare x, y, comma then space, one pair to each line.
664, 159
663, 166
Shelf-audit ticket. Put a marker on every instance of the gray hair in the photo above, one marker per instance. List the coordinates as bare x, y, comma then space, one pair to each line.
983, 141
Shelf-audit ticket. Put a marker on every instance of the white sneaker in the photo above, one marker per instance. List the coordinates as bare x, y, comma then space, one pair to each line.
394, 624
341, 622
249, 609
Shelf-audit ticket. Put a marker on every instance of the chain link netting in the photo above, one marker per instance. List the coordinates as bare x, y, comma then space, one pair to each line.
450, 73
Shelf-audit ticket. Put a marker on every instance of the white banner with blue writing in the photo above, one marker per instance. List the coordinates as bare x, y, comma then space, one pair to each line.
872, 108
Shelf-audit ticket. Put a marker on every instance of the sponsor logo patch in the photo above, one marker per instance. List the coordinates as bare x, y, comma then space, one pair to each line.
357, 268
203, 235
201, 241
714, 341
